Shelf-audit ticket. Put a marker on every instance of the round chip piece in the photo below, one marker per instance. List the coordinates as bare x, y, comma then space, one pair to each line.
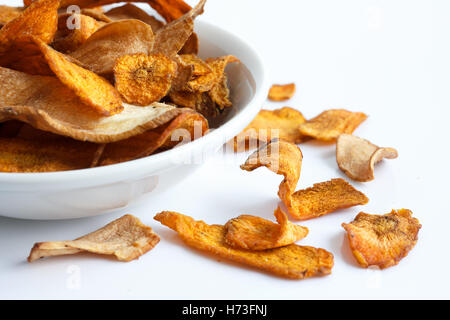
143, 79
382, 240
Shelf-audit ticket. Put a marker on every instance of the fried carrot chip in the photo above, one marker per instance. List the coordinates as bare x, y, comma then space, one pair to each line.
186, 127
46, 104
198, 101
129, 11
282, 123
282, 158
331, 123
382, 240
292, 261
282, 92
92, 89
324, 198
357, 157
170, 9
9, 13
126, 37
142, 79
255, 233
126, 238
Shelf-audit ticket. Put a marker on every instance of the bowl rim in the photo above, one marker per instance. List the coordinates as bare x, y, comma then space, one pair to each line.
156, 162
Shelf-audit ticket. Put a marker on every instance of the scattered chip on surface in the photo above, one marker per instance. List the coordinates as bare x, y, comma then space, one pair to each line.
126, 238
48, 105
292, 261
357, 157
255, 233
324, 198
142, 79
382, 240
130, 11
281, 124
330, 124
282, 92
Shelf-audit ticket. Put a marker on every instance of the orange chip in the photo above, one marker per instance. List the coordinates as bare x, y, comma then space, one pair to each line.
331, 123
382, 240
129, 11
126, 238
324, 198
282, 123
220, 94
125, 37
292, 261
184, 73
255, 233
170, 9
8, 13
282, 92
142, 79
200, 67
357, 157
198, 101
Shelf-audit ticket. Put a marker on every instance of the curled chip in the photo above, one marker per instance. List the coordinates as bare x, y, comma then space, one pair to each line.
129, 11
382, 240
198, 101
125, 37
97, 14
142, 80
324, 198
282, 92
281, 157
282, 123
203, 77
191, 46
126, 238
357, 157
331, 123
186, 127
46, 104
92, 89
255, 233
9, 13
292, 261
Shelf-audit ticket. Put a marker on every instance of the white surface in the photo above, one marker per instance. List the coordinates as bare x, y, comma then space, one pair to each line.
386, 58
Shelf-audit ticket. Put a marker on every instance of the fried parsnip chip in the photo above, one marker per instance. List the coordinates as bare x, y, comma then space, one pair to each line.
281, 157
292, 261
186, 127
382, 240
129, 11
8, 13
191, 46
126, 238
255, 233
46, 104
282, 123
331, 123
357, 157
92, 89
97, 14
125, 37
142, 79
324, 198
198, 101
280, 92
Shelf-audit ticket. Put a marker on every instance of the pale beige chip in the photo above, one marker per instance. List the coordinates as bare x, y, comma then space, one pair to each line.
130, 11
330, 124
357, 157
126, 238
382, 240
292, 261
255, 233
282, 92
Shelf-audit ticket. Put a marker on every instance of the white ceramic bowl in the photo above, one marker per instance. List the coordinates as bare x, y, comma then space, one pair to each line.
89, 192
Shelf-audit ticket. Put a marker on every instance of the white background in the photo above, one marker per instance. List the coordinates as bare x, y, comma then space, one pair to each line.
389, 59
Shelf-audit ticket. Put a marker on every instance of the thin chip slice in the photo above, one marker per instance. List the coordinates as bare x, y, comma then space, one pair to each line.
130, 11
200, 67
283, 92
357, 157
92, 89
8, 13
282, 123
97, 14
220, 94
281, 157
126, 238
382, 240
330, 124
293, 261
184, 73
324, 198
142, 79
191, 46
46, 104
125, 37
185, 127
198, 101
255, 233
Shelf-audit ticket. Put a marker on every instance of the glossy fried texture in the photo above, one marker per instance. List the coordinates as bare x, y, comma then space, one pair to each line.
293, 261
282, 92
126, 238
382, 240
